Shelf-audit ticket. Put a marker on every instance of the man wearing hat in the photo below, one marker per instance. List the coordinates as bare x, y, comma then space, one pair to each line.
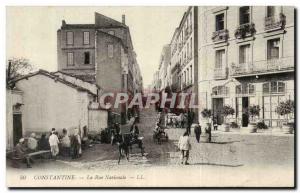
53, 141
21, 152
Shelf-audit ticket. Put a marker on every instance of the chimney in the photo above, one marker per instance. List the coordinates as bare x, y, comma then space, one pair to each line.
63, 23
123, 19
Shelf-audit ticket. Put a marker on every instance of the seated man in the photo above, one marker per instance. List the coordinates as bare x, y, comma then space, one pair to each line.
20, 152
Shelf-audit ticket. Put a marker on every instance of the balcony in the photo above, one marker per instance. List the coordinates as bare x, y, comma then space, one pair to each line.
220, 92
275, 22
245, 30
220, 73
263, 67
180, 46
221, 35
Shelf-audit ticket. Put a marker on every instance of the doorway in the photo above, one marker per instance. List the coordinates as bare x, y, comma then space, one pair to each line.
245, 115
217, 110
17, 127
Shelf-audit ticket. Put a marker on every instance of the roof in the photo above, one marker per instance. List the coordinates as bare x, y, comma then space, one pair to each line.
101, 21
104, 21
80, 26
83, 77
55, 78
115, 37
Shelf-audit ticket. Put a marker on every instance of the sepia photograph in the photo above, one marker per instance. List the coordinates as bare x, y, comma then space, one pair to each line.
150, 96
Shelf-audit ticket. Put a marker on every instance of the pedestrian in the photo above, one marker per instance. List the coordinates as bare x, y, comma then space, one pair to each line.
20, 152
85, 139
32, 143
208, 131
185, 147
190, 118
76, 145
65, 143
53, 141
181, 120
197, 131
215, 123
43, 143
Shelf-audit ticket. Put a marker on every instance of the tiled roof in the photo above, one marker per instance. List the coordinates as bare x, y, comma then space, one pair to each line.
55, 78
79, 26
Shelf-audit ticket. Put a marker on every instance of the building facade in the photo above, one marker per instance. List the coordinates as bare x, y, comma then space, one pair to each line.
63, 103
101, 53
246, 57
184, 55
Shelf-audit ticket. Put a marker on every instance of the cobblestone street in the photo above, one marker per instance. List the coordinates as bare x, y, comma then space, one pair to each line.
229, 155
226, 150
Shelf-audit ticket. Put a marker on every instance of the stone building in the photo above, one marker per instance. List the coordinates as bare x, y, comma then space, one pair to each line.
184, 55
246, 57
101, 53
164, 62
41, 100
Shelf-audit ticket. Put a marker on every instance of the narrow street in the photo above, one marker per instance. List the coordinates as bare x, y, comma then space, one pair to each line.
226, 150
224, 161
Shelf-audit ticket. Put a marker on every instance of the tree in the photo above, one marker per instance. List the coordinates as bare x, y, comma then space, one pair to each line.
285, 108
226, 111
253, 111
206, 113
17, 67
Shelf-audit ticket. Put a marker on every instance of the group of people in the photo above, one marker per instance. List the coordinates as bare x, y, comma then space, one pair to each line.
64, 145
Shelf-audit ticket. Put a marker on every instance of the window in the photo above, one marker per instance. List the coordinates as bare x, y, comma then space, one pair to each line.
220, 22
191, 67
273, 87
86, 38
111, 32
251, 88
220, 90
244, 54
273, 49
266, 88
70, 59
86, 57
110, 50
70, 38
191, 44
247, 89
244, 15
273, 11
238, 89
220, 59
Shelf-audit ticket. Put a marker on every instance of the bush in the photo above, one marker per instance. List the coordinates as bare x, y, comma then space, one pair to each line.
261, 125
253, 111
234, 125
226, 111
206, 113
285, 108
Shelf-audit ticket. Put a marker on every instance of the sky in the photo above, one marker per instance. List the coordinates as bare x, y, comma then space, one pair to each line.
31, 32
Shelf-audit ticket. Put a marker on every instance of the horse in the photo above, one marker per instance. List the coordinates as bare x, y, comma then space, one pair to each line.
123, 143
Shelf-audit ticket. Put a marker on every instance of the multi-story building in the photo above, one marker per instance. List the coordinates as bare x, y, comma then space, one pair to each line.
156, 82
246, 57
184, 55
164, 63
100, 53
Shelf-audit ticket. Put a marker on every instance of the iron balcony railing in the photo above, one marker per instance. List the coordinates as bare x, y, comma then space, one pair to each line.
265, 66
220, 35
245, 30
275, 22
220, 73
